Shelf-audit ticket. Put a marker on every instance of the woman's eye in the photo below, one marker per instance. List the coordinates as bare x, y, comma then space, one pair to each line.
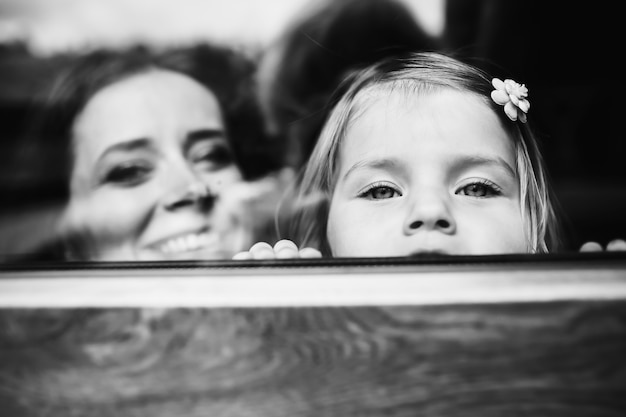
380, 192
212, 158
480, 189
128, 174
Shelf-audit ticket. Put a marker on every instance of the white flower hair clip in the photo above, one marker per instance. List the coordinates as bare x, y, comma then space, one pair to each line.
512, 96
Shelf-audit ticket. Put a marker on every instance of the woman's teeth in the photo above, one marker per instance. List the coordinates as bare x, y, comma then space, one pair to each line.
186, 243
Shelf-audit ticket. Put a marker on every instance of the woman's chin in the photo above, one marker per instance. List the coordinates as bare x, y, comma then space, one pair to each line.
191, 255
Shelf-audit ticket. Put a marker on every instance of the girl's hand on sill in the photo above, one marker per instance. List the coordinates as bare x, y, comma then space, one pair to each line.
283, 249
614, 245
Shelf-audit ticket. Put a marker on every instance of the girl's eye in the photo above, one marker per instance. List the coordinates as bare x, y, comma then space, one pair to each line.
211, 158
480, 189
379, 192
128, 174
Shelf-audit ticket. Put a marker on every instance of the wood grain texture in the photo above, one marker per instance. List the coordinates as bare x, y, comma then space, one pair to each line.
525, 359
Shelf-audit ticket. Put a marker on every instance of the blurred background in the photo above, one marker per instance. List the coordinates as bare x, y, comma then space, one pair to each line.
566, 53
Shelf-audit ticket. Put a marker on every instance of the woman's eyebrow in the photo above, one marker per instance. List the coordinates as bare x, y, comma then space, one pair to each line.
203, 134
127, 146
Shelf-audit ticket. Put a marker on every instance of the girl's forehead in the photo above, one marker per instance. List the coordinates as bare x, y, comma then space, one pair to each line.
438, 121
396, 99
411, 91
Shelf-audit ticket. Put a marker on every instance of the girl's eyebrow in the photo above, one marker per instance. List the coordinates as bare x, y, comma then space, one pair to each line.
462, 162
479, 160
389, 164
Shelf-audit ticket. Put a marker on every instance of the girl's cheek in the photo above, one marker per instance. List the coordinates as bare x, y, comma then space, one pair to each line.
492, 232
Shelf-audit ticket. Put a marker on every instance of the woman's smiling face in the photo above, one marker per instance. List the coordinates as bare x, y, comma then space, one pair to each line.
146, 150
421, 175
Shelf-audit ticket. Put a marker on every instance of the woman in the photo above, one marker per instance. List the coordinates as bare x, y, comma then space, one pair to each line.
151, 155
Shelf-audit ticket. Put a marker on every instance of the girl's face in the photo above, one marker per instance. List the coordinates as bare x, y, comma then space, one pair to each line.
433, 174
146, 149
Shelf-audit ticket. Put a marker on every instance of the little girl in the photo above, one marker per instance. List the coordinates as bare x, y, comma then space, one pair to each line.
422, 155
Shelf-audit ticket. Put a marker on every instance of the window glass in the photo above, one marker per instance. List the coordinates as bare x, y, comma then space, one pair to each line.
353, 129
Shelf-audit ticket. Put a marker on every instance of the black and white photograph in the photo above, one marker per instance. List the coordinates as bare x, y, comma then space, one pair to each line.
312, 208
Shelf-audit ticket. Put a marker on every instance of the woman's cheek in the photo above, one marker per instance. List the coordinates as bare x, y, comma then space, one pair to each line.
219, 181
109, 215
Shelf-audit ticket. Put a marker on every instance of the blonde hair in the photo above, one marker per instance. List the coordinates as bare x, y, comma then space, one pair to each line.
418, 73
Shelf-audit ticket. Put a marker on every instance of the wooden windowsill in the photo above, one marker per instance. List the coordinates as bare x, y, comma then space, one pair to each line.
337, 282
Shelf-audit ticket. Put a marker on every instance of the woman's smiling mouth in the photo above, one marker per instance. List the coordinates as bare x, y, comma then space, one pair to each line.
186, 243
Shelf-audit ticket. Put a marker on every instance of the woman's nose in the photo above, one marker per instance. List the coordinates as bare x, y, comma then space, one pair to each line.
188, 190
430, 211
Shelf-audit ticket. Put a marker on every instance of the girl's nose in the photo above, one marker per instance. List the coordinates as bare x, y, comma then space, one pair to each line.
430, 211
